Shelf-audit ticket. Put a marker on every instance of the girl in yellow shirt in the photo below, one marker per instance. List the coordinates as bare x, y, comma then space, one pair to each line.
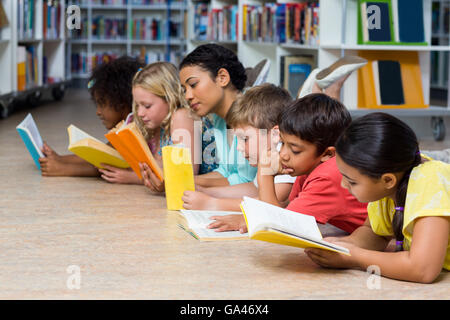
409, 199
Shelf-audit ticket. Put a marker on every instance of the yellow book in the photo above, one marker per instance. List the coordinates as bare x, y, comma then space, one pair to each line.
195, 222
270, 223
92, 150
178, 174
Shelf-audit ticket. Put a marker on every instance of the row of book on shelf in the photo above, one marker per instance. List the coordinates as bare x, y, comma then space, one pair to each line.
121, 2
83, 63
265, 222
26, 20
269, 22
148, 28
398, 22
27, 69
389, 80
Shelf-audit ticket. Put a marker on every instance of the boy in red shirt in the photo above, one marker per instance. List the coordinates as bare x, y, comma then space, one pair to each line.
308, 129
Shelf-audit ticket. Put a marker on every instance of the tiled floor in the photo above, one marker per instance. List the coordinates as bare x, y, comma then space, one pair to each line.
126, 245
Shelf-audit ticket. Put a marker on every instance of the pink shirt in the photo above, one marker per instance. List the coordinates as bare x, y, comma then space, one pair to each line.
320, 194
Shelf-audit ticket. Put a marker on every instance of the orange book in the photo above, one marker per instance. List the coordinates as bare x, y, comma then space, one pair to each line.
128, 156
21, 68
134, 142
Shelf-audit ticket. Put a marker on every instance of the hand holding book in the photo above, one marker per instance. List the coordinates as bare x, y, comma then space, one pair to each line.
150, 180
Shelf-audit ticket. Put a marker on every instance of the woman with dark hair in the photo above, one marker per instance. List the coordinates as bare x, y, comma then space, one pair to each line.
213, 78
409, 199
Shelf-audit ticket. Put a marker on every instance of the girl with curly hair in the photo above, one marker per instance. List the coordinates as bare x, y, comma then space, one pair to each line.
110, 88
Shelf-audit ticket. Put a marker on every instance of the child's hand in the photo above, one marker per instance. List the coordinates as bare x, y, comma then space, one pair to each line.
49, 152
330, 259
151, 181
195, 200
269, 163
229, 223
52, 166
118, 175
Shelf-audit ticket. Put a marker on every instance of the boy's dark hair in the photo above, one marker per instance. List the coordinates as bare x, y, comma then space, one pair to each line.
379, 143
110, 83
213, 57
316, 118
259, 107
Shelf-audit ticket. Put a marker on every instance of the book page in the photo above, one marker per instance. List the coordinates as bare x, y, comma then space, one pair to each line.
261, 215
76, 135
29, 125
198, 220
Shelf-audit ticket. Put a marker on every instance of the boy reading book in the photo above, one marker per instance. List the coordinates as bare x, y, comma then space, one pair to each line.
253, 118
309, 128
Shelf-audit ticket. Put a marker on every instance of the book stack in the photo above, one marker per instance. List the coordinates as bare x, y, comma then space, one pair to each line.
201, 13
223, 24
27, 67
147, 29
26, 10
52, 19
294, 70
79, 63
109, 28
391, 22
282, 23
302, 23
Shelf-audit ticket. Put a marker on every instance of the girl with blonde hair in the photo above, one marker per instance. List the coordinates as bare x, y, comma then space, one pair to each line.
163, 116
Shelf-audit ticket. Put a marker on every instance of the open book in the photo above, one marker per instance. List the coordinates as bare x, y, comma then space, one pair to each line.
196, 221
131, 144
270, 223
30, 135
178, 174
92, 150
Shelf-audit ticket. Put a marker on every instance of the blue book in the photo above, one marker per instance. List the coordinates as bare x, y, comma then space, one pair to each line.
410, 21
30, 135
376, 21
297, 74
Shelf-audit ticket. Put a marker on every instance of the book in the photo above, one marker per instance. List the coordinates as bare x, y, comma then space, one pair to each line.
92, 150
30, 135
178, 174
21, 68
270, 223
376, 22
410, 20
411, 78
134, 148
388, 82
195, 222
293, 72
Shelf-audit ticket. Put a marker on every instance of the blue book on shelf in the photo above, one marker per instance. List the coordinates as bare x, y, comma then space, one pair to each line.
410, 21
30, 135
298, 72
376, 21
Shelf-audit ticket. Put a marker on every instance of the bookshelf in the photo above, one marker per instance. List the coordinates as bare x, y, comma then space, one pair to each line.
337, 37
151, 29
31, 53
